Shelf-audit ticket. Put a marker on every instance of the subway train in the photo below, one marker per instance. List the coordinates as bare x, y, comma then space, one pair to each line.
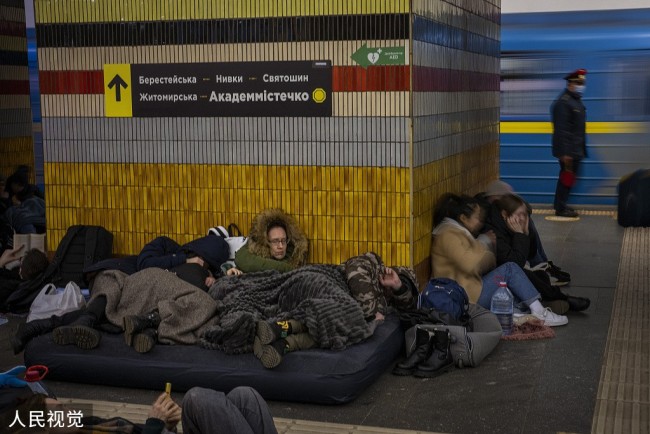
537, 51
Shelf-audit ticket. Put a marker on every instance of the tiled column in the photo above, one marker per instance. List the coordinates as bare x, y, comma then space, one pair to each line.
350, 177
16, 145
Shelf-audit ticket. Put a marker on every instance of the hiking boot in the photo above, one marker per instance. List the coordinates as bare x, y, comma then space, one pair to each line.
578, 304
558, 306
440, 359
557, 276
423, 348
83, 337
551, 319
566, 212
137, 323
80, 332
271, 332
145, 340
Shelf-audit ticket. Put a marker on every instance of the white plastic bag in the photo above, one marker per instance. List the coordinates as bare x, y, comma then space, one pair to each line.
234, 242
51, 301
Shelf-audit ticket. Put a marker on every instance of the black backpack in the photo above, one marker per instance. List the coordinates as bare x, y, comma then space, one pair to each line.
81, 247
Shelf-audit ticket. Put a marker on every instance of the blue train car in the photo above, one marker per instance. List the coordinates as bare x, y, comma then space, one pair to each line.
537, 50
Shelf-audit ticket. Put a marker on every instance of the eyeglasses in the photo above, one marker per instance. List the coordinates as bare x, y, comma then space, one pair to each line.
279, 241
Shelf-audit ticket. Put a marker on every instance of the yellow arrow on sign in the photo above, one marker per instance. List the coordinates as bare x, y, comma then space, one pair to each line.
117, 90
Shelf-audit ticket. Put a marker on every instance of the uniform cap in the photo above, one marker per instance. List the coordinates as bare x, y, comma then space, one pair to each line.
577, 75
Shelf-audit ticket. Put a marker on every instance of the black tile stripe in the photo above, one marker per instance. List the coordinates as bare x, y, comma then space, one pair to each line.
13, 58
19, 4
225, 31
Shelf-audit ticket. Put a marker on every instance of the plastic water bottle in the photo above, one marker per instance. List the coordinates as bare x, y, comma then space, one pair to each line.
502, 306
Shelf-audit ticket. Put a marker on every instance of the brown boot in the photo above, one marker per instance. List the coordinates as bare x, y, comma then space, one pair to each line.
134, 324
145, 340
271, 355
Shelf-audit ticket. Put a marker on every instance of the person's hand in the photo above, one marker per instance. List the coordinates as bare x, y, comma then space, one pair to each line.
209, 281
196, 260
515, 224
165, 409
525, 223
492, 237
390, 279
234, 272
11, 255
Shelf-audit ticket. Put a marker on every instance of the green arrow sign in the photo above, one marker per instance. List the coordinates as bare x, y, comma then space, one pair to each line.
365, 56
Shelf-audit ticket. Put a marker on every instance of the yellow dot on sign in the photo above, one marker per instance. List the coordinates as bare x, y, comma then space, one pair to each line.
319, 95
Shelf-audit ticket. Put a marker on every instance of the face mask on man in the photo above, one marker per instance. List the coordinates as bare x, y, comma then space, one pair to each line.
579, 89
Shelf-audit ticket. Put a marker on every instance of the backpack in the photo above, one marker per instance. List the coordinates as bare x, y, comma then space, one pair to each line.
81, 247
445, 295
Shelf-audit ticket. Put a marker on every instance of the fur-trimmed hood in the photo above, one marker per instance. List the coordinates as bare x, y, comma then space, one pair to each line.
258, 244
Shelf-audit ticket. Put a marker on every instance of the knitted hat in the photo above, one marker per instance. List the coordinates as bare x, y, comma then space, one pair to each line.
498, 188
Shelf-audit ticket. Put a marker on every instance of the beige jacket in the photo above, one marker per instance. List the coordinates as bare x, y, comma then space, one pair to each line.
457, 255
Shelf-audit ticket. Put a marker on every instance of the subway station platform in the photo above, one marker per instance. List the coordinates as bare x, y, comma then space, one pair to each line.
591, 378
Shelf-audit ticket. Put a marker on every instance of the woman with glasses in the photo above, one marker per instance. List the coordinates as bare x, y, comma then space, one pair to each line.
275, 242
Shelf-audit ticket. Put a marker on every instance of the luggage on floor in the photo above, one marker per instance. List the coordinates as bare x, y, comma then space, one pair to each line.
634, 199
80, 247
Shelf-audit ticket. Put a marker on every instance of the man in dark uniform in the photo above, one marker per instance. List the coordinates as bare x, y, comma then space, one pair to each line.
568, 114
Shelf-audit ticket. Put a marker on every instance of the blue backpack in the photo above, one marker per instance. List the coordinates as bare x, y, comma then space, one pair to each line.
445, 295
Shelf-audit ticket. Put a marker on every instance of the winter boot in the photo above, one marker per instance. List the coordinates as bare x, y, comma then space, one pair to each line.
26, 332
134, 324
271, 355
440, 359
271, 332
80, 332
145, 340
423, 348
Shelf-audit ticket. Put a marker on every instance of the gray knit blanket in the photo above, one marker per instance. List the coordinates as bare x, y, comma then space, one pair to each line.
185, 310
315, 295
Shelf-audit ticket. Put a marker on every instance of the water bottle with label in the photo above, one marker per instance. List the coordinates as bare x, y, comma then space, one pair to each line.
502, 306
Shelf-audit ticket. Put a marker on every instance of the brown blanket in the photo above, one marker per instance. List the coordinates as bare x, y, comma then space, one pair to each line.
185, 310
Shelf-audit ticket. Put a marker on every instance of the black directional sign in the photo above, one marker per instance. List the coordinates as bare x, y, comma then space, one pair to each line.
294, 88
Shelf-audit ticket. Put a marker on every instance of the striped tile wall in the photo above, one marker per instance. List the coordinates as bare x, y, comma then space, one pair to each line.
456, 46
16, 144
348, 178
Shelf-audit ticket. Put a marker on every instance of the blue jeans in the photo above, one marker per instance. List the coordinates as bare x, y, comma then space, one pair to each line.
241, 411
518, 284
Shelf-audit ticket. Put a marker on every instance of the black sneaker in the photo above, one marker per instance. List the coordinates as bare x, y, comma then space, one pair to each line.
566, 212
557, 276
578, 304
